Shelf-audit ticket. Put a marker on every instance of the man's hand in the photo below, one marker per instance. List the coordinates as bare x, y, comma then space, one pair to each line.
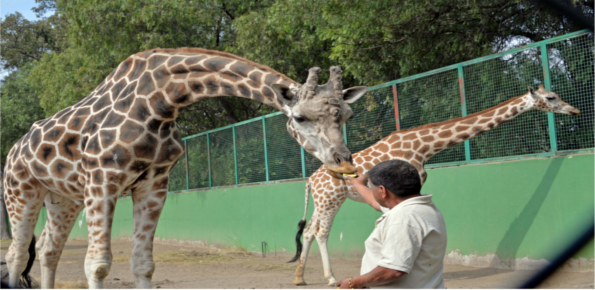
344, 284
360, 179
360, 183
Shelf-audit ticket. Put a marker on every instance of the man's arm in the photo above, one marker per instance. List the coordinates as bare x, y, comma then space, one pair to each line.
359, 184
378, 276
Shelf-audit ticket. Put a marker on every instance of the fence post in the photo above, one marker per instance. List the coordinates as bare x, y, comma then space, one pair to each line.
396, 101
464, 107
209, 157
303, 162
266, 154
187, 174
235, 152
547, 83
345, 132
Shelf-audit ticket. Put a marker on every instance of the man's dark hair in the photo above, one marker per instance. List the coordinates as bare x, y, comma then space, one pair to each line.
399, 177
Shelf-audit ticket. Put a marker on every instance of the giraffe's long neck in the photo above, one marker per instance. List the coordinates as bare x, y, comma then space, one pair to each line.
426, 141
172, 79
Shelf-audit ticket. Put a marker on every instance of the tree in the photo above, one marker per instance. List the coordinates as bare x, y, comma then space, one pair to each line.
385, 40
289, 44
114, 30
378, 41
20, 108
24, 41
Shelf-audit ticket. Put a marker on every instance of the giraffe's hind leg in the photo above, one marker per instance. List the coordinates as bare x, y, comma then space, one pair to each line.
309, 234
61, 218
24, 198
148, 198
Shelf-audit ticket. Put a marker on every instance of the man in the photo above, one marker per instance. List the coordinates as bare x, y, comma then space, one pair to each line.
407, 247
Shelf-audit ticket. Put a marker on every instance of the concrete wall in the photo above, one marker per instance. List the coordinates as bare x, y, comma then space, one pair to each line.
511, 214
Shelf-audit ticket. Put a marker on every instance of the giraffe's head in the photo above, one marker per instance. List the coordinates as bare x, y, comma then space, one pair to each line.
317, 115
551, 102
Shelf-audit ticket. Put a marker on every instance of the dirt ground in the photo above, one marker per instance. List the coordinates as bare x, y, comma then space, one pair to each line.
209, 267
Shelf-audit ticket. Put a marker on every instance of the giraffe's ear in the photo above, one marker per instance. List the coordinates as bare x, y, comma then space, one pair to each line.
532, 92
352, 94
284, 95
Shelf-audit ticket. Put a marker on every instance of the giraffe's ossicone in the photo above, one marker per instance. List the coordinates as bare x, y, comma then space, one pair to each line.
123, 137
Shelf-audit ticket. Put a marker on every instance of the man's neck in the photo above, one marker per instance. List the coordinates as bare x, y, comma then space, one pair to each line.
396, 200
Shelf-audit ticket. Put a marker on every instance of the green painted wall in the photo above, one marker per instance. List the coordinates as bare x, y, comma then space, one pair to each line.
526, 208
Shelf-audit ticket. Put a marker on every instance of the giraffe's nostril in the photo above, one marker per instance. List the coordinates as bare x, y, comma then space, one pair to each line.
337, 158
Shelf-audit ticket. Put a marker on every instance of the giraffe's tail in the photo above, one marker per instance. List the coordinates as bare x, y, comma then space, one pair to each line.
25, 278
301, 226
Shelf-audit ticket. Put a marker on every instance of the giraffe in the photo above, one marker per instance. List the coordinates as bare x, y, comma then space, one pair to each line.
416, 146
122, 137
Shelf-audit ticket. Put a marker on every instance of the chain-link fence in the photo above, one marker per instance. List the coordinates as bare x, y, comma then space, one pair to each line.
261, 150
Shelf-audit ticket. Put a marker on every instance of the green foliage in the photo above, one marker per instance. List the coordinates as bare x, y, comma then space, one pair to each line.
383, 40
285, 37
103, 33
24, 41
63, 79
379, 41
19, 108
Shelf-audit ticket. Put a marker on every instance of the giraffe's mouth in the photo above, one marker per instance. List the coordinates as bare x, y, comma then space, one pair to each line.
344, 167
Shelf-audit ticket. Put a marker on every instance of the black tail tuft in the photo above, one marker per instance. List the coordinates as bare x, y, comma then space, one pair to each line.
298, 241
25, 278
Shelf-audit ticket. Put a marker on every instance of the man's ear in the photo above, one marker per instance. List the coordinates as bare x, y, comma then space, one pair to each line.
284, 95
383, 192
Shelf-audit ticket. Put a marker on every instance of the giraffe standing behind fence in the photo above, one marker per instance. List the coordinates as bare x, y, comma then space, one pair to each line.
416, 146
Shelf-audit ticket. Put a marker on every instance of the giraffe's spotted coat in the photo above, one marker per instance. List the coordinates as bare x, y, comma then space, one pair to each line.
122, 137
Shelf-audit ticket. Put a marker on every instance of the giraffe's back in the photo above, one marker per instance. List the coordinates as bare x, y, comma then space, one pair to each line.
108, 133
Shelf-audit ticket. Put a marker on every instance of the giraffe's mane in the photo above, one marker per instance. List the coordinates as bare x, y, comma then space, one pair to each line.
448, 122
198, 50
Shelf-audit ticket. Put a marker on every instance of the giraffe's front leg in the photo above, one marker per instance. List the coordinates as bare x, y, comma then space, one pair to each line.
100, 202
61, 218
148, 199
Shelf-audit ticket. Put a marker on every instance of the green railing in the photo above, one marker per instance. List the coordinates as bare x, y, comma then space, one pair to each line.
261, 150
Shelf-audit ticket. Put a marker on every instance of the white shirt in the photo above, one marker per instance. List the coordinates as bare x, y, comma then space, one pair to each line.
411, 238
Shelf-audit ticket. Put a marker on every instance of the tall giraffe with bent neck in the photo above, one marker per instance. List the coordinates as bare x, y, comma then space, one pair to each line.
416, 146
123, 137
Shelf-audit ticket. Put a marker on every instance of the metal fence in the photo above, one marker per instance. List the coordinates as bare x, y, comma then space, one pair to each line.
261, 150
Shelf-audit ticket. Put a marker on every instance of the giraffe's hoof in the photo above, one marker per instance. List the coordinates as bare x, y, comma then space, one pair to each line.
332, 282
299, 282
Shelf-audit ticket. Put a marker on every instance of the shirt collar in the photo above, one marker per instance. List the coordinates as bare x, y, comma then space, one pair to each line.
424, 199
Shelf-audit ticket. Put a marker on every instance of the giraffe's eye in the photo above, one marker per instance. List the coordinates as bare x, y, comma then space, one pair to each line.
550, 98
299, 119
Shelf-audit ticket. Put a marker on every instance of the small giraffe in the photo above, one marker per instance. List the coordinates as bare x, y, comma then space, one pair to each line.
416, 146
123, 137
